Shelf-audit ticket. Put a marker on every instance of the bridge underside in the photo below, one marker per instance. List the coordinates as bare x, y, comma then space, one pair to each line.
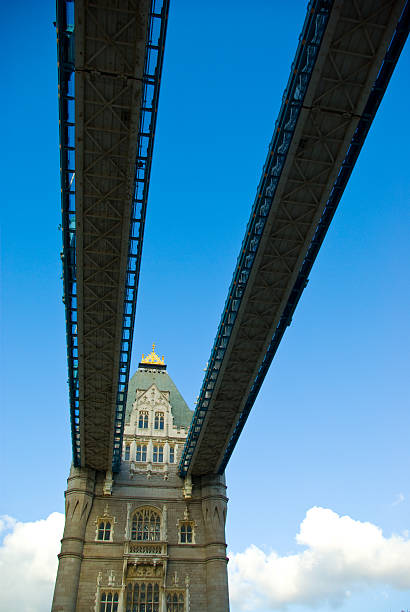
110, 61
110, 48
342, 48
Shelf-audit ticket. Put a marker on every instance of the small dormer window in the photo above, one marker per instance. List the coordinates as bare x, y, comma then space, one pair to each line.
104, 531
143, 419
158, 453
186, 532
141, 452
159, 420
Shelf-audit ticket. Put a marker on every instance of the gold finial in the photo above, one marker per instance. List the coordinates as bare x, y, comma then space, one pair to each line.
153, 358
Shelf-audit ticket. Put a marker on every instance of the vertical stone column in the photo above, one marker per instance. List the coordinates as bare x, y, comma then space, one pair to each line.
79, 499
214, 506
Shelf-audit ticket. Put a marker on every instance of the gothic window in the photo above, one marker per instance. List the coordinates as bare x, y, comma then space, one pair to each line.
104, 531
171, 454
108, 601
159, 420
127, 452
146, 525
158, 453
143, 419
186, 530
142, 597
141, 453
175, 602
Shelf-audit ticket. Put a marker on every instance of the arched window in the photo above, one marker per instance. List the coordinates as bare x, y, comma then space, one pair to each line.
143, 419
141, 452
104, 531
142, 597
175, 602
146, 525
159, 420
108, 601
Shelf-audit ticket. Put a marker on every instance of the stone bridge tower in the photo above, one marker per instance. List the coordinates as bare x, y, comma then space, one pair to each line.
145, 541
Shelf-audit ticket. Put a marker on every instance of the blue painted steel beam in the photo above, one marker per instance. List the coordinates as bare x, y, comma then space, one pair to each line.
302, 68
376, 95
154, 52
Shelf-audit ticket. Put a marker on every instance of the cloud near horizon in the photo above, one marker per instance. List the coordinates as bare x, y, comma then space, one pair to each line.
28, 562
341, 555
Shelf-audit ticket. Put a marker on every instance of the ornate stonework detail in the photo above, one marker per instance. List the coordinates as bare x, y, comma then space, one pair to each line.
127, 525
152, 358
187, 488
107, 489
145, 571
111, 578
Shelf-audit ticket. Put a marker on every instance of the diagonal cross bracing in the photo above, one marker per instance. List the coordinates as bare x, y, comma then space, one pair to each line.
110, 59
338, 78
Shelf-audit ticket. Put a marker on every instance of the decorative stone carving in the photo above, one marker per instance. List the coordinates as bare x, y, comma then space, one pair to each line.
187, 488
145, 571
111, 578
108, 482
127, 525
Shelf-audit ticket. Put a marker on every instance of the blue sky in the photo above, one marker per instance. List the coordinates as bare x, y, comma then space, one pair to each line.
331, 425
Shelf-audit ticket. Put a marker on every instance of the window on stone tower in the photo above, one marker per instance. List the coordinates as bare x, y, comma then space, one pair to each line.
104, 531
175, 602
186, 531
159, 420
171, 454
127, 453
143, 419
108, 601
146, 525
142, 597
158, 453
141, 452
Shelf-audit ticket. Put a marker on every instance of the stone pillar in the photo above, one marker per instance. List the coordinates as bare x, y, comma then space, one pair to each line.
214, 505
78, 501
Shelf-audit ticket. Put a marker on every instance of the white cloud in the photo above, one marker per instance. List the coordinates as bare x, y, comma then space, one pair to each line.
28, 562
341, 555
399, 499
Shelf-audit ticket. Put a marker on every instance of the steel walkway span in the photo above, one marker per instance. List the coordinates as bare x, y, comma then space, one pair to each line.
346, 54
109, 62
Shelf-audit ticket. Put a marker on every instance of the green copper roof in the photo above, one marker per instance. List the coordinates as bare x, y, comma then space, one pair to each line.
144, 378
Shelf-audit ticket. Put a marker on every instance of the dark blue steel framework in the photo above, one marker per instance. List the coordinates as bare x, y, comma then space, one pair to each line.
154, 53
302, 67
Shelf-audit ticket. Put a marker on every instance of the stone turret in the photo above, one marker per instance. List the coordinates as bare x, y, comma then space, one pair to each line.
149, 537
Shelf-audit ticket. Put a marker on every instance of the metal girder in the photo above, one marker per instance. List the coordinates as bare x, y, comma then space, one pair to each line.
110, 60
323, 121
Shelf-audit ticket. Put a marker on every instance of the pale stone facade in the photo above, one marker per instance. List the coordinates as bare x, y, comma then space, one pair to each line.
146, 541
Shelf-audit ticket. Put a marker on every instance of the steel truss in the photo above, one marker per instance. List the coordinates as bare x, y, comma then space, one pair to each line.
328, 106
109, 78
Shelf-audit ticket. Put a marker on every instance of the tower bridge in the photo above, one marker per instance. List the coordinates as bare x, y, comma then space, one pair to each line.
146, 498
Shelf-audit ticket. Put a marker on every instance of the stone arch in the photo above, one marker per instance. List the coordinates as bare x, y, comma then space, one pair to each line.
146, 524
